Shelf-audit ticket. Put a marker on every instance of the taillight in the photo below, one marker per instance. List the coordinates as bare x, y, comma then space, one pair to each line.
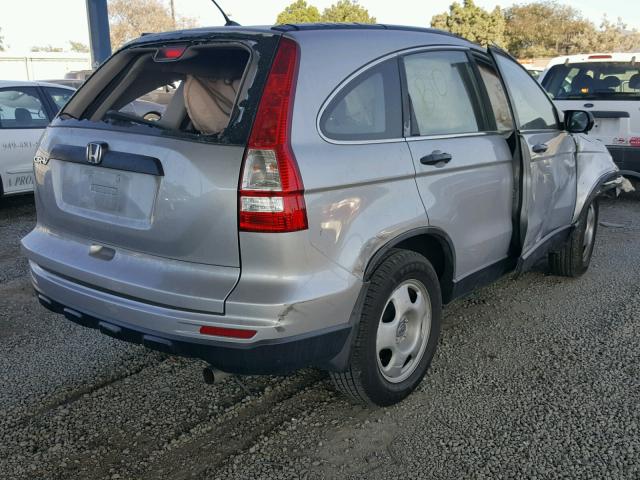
598, 57
271, 193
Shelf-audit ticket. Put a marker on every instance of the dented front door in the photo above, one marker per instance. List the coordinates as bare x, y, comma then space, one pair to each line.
549, 160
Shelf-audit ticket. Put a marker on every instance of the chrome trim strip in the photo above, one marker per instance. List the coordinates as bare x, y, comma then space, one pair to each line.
452, 135
363, 69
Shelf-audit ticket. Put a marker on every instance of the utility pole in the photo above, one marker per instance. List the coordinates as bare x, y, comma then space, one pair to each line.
173, 14
98, 20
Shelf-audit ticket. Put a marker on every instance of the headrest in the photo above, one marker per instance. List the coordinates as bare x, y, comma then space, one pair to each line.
209, 102
610, 82
23, 116
634, 81
581, 81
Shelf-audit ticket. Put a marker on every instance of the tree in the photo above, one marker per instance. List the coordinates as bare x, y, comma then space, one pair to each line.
615, 37
1, 42
547, 29
472, 22
78, 47
129, 19
346, 11
299, 12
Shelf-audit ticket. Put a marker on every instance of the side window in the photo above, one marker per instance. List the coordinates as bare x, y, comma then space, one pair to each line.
497, 97
368, 108
60, 96
21, 107
442, 93
533, 107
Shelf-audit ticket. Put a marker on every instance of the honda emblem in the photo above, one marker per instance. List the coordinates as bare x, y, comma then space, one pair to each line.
95, 151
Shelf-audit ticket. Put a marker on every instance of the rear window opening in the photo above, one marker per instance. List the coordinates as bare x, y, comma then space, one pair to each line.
594, 81
177, 90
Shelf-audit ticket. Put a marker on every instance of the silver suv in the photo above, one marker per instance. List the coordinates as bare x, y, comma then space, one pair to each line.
309, 196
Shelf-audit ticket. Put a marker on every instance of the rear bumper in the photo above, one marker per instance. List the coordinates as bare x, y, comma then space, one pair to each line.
267, 357
313, 333
626, 158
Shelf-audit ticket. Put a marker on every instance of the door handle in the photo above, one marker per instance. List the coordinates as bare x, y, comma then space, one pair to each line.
540, 148
437, 158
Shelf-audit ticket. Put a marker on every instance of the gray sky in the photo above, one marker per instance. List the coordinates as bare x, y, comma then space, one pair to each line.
26, 23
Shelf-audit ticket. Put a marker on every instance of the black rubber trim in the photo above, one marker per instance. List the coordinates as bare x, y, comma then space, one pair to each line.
609, 114
482, 277
551, 241
130, 162
261, 358
446, 244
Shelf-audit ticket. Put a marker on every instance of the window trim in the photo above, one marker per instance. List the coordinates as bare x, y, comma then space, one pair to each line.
43, 102
482, 57
405, 111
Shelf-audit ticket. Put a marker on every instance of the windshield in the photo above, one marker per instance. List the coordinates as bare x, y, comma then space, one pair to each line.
594, 80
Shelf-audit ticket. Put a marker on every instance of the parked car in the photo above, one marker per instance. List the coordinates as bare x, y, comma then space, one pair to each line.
534, 71
280, 215
26, 108
607, 85
67, 82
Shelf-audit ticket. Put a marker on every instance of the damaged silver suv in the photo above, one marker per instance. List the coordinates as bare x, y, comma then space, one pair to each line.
286, 209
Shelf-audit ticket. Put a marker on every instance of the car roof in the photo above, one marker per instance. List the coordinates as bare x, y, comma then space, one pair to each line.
292, 29
596, 57
29, 83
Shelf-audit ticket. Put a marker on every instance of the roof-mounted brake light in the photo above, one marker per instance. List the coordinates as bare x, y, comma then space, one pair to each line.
169, 54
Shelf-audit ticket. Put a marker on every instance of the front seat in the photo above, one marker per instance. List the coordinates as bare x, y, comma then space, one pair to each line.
23, 117
580, 83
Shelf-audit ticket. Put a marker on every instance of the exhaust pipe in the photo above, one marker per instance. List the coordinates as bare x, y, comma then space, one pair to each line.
212, 375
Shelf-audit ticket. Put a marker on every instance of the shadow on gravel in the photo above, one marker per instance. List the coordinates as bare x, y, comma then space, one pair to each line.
10, 203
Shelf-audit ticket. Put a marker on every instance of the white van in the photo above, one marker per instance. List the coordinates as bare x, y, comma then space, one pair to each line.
607, 85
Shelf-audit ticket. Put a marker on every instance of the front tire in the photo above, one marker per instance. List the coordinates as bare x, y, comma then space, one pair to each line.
574, 258
398, 331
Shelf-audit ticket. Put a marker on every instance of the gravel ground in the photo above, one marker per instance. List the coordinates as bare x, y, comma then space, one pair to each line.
535, 377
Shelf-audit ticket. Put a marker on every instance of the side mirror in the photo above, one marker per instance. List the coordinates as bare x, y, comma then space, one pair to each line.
578, 121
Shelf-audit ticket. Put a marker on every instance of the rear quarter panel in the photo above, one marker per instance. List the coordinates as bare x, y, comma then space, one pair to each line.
359, 196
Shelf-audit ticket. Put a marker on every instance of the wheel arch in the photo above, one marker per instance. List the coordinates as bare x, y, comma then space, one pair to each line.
598, 189
431, 242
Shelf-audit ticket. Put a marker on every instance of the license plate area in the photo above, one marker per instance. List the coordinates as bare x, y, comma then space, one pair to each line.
112, 196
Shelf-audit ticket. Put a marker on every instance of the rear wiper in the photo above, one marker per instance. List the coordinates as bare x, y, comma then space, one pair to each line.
130, 118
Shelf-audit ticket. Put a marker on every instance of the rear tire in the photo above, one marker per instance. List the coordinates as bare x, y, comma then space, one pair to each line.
398, 331
573, 259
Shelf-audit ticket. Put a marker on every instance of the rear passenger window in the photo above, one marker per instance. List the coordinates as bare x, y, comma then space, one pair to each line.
21, 108
442, 93
368, 108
